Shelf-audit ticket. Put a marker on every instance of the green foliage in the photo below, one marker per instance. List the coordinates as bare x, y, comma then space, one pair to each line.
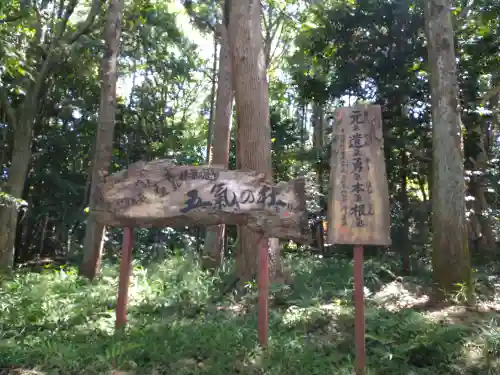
58, 323
158, 115
7, 200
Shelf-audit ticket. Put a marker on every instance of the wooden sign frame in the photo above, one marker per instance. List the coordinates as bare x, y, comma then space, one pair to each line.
160, 193
358, 209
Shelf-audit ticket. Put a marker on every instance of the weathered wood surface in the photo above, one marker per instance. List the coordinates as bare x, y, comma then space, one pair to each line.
160, 194
358, 209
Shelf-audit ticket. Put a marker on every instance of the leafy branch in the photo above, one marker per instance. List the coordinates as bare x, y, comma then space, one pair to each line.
7, 200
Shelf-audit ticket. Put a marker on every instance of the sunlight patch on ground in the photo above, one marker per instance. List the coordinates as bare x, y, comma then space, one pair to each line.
236, 308
395, 296
477, 315
332, 307
473, 353
295, 314
481, 350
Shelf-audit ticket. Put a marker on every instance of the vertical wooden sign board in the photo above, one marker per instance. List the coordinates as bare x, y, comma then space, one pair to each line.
358, 209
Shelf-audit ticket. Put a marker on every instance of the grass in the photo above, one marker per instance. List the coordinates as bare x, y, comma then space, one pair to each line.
57, 323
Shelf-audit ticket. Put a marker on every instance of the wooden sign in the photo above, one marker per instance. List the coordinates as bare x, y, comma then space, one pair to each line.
358, 210
161, 194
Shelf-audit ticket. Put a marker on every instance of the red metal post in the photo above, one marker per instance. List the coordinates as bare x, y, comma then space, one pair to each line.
263, 283
125, 270
359, 311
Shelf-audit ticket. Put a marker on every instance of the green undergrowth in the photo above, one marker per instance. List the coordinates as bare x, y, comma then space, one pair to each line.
58, 323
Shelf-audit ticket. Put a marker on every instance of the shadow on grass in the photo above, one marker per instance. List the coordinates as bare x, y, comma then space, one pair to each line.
173, 330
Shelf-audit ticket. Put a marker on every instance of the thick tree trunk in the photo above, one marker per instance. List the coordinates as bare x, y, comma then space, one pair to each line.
214, 240
254, 131
451, 258
18, 171
94, 233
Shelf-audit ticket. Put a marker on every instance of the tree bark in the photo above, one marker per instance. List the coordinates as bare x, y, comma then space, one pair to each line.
94, 233
451, 258
254, 130
18, 170
210, 129
476, 148
318, 142
405, 208
206, 260
214, 240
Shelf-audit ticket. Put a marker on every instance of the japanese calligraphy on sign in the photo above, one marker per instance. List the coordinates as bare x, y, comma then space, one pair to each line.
358, 210
161, 194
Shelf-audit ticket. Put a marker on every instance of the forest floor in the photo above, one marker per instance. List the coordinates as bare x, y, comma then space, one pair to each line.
53, 322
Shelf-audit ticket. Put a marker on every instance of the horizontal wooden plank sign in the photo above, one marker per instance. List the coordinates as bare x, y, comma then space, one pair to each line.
160, 194
358, 209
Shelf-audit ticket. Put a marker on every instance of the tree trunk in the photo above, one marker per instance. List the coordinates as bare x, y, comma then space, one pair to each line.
481, 230
254, 130
214, 240
480, 182
451, 258
477, 141
18, 171
94, 233
405, 208
318, 142
4, 144
206, 260
210, 129
43, 234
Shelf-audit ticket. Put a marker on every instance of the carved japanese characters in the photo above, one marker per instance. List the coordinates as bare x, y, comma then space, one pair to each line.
358, 211
161, 194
